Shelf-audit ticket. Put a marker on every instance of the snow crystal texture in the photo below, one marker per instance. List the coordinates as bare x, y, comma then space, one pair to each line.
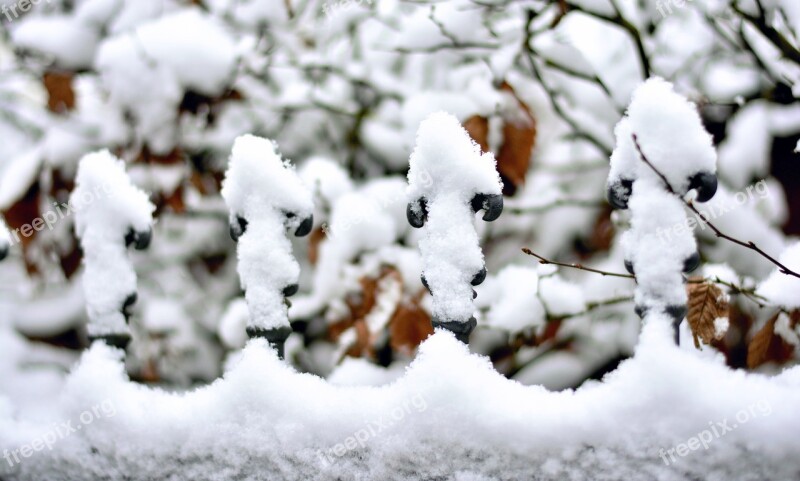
450, 416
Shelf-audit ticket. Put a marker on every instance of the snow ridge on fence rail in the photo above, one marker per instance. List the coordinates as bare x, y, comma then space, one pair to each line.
451, 416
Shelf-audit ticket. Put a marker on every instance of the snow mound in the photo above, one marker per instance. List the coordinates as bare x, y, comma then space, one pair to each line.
451, 416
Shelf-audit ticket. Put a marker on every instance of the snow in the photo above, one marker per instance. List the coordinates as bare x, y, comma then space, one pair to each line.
232, 327
745, 153
560, 297
195, 47
5, 236
781, 289
448, 170
150, 91
362, 221
324, 80
252, 14
656, 248
265, 191
722, 272
783, 328
671, 134
19, 176
70, 43
292, 423
512, 300
148, 70
743, 221
107, 209
360, 372
326, 178
721, 326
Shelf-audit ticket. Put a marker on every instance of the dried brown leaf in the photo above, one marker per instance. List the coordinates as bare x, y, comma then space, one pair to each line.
60, 95
478, 128
519, 138
766, 346
314, 240
758, 349
409, 326
707, 303
20, 218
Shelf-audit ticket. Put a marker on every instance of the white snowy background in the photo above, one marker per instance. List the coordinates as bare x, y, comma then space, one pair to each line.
561, 380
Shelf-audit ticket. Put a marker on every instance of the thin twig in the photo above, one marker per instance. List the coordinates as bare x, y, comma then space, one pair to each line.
749, 245
771, 33
552, 95
591, 307
626, 25
735, 289
581, 267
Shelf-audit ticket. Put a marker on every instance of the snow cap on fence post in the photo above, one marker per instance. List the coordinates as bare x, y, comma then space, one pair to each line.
662, 153
111, 214
266, 200
449, 180
5, 239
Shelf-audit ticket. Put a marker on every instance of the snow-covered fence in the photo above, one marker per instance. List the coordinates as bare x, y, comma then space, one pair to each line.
266, 198
106, 226
459, 181
681, 159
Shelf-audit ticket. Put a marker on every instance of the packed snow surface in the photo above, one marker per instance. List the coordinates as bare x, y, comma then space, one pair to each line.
668, 413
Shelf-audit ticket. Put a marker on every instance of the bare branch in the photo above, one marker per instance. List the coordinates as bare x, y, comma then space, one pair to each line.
771, 33
581, 267
749, 245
